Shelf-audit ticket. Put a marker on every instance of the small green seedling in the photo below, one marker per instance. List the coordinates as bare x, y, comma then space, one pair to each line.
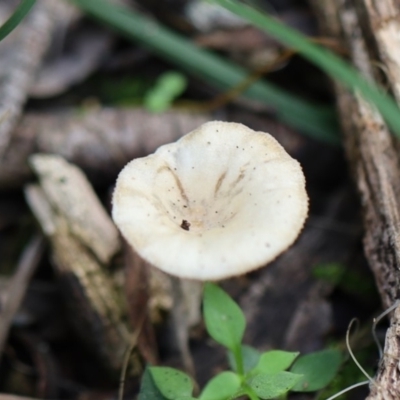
347, 280
168, 87
267, 375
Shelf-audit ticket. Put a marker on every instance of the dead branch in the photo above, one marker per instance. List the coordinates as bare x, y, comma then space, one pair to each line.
99, 141
25, 49
369, 28
17, 287
382, 25
71, 195
76, 231
4, 396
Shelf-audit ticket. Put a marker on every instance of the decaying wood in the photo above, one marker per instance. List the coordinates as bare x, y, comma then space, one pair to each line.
370, 29
83, 240
4, 396
77, 50
71, 195
17, 286
387, 378
382, 24
25, 48
100, 141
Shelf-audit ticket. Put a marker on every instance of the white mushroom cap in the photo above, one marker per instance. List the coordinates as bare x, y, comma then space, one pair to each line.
221, 201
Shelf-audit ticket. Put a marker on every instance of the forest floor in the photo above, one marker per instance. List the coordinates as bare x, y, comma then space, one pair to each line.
77, 88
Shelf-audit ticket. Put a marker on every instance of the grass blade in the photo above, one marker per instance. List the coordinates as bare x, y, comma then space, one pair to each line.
319, 122
14, 20
325, 59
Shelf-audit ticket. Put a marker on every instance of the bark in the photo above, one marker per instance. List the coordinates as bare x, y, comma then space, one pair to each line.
99, 141
18, 285
25, 49
83, 240
370, 30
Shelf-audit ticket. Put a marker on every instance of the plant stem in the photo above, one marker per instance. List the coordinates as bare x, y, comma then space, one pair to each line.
239, 360
250, 393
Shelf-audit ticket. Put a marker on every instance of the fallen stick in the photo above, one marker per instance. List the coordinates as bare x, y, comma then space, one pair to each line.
26, 47
17, 288
100, 141
368, 28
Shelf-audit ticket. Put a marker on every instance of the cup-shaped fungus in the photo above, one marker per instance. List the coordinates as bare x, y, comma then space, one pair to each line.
221, 201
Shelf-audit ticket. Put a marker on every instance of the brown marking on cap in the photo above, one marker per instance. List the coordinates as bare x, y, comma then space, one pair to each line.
185, 225
177, 181
219, 183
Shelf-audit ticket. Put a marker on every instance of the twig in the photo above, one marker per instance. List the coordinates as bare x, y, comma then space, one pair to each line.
100, 141
22, 62
18, 285
14, 397
373, 155
127, 356
72, 218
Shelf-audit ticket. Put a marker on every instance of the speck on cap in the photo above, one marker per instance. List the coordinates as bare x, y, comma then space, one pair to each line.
221, 201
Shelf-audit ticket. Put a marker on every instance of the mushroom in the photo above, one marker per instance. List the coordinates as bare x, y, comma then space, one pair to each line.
221, 201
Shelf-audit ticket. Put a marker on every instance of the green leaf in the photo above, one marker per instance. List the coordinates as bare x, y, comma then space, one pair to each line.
329, 62
349, 375
269, 386
250, 358
275, 361
148, 389
224, 319
19, 14
172, 383
124, 91
314, 119
167, 88
348, 280
221, 387
172, 82
318, 369
330, 272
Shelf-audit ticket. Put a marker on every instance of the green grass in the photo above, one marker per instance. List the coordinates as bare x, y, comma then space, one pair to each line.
334, 66
19, 14
313, 119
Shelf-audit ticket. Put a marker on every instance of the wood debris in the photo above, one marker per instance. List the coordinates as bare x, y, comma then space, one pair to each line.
25, 49
370, 29
83, 241
100, 141
17, 287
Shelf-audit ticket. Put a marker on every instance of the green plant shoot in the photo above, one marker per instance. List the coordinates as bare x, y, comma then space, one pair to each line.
318, 369
167, 88
225, 321
257, 376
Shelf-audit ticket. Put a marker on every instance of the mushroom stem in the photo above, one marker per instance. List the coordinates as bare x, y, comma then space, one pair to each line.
186, 297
